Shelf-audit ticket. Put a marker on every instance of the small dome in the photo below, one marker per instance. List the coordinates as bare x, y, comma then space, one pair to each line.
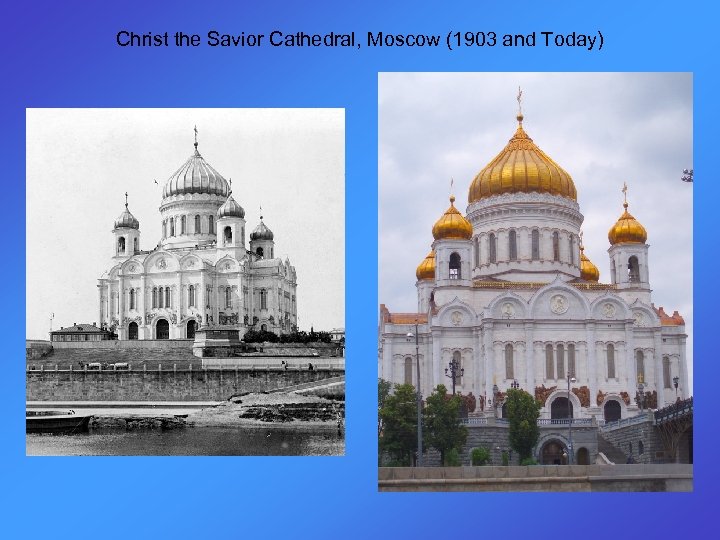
231, 209
126, 219
522, 167
588, 271
627, 230
426, 269
261, 232
196, 176
452, 225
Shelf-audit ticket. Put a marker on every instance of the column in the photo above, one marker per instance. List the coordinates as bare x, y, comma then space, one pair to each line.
121, 305
657, 362
143, 295
477, 363
529, 360
201, 298
592, 368
629, 374
489, 361
436, 363
180, 299
684, 389
100, 303
241, 298
387, 372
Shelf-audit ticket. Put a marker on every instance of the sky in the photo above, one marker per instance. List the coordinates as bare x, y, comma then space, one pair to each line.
80, 163
602, 128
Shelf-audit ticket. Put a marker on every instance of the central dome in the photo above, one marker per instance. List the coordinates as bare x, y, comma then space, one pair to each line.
196, 176
522, 167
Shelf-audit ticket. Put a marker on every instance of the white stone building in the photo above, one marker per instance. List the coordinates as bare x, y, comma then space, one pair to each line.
202, 272
508, 294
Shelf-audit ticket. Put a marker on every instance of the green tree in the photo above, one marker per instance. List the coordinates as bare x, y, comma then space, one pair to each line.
384, 388
523, 411
441, 424
398, 416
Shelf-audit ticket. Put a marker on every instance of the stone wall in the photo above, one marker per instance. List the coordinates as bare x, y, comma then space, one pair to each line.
157, 344
627, 439
166, 385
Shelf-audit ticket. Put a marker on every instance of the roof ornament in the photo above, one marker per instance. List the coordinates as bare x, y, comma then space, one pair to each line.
519, 100
126, 200
581, 240
624, 191
196, 132
230, 190
261, 216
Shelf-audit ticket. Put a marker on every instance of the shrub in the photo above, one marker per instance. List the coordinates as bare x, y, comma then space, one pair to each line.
452, 459
505, 459
480, 456
528, 461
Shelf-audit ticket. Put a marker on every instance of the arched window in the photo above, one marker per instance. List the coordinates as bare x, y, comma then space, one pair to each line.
611, 361
512, 239
640, 366
172, 226
556, 246
121, 244
571, 245
509, 371
227, 235
408, 370
182, 225
612, 271
154, 297
492, 248
207, 296
535, 245
457, 361
666, 372
135, 245
167, 296
191, 296
476, 245
454, 266
571, 359
549, 365
228, 297
561, 361
211, 224
263, 299
164, 229
161, 297
633, 269
132, 298
197, 224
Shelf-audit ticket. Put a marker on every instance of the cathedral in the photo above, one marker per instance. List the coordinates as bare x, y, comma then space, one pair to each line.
506, 298
202, 272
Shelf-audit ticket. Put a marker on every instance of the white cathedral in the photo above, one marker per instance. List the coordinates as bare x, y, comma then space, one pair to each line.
202, 272
507, 298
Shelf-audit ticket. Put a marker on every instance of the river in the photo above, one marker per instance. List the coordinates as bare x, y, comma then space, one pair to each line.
192, 441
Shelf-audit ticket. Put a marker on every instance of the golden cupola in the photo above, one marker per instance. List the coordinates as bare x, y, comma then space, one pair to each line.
426, 269
452, 225
588, 271
522, 167
627, 230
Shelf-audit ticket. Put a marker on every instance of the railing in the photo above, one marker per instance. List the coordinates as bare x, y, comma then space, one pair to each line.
484, 421
565, 421
190, 368
623, 422
674, 411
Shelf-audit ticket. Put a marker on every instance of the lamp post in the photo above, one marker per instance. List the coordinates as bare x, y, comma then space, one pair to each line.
496, 391
573, 380
515, 385
640, 397
455, 372
676, 381
419, 395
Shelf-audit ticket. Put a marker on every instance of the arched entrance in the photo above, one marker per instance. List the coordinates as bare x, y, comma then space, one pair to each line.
504, 410
561, 407
191, 326
133, 330
612, 411
162, 329
583, 456
553, 453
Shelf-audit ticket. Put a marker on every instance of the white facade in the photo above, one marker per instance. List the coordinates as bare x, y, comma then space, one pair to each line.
201, 272
519, 309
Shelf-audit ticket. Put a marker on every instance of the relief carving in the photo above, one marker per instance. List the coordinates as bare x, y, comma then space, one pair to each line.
583, 394
600, 397
542, 393
625, 397
651, 400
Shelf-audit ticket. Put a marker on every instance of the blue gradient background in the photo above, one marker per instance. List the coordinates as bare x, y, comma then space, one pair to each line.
63, 54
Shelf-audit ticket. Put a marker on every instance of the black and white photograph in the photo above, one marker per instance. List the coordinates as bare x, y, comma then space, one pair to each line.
185, 282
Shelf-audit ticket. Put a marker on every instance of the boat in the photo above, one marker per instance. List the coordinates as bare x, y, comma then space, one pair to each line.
43, 421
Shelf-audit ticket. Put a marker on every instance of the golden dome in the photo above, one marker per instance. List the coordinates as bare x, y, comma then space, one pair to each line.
522, 167
627, 230
452, 225
588, 271
426, 269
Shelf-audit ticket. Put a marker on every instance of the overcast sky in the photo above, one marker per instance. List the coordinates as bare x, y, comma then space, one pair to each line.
602, 128
80, 163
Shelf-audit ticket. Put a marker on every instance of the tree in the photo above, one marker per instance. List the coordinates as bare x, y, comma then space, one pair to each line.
441, 423
384, 388
398, 416
523, 411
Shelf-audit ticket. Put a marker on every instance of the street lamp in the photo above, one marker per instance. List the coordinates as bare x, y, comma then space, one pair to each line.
419, 396
676, 381
640, 397
570, 379
515, 385
455, 372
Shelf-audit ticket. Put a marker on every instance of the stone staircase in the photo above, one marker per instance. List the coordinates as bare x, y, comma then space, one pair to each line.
613, 454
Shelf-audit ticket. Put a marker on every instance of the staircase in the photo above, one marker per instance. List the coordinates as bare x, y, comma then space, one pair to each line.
615, 455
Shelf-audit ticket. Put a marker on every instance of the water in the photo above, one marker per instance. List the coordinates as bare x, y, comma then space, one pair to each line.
192, 441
